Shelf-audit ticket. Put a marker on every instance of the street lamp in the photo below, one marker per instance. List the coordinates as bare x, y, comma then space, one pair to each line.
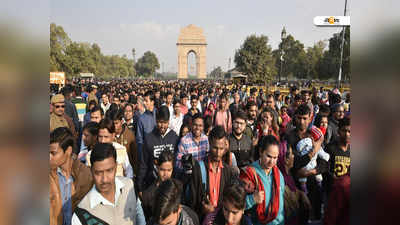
283, 36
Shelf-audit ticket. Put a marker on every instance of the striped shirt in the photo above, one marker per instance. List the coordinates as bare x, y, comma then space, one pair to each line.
188, 145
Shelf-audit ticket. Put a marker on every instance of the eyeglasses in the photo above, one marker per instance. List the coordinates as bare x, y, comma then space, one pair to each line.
59, 106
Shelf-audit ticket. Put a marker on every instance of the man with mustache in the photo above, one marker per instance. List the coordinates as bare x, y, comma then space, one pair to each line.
112, 199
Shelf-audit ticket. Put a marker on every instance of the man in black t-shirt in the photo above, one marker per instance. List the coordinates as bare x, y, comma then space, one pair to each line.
339, 152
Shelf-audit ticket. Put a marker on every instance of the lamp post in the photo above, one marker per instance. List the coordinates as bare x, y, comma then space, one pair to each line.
283, 37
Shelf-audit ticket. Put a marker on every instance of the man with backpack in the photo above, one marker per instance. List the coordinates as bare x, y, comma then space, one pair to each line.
211, 176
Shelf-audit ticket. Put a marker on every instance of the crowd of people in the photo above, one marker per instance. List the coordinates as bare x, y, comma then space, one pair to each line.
197, 152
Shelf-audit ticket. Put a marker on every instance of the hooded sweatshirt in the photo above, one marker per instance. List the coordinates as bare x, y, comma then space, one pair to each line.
154, 144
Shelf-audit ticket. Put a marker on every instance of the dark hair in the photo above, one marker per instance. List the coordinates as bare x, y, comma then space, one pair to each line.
302, 110
97, 108
223, 96
197, 116
207, 122
176, 101
91, 102
116, 96
266, 141
344, 122
150, 94
236, 195
324, 109
194, 97
113, 107
183, 95
102, 151
132, 99
63, 136
67, 90
183, 126
217, 133
250, 104
334, 99
165, 156
92, 127
335, 107
318, 119
78, 90
116, 114
239, 114
162, 113
168, 93
167, 199
129, 104
108, 124
297, 97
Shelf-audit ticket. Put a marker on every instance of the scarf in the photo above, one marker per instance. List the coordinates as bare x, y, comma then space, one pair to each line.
265, 216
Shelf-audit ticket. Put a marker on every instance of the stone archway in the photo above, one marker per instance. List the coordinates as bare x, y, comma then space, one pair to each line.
191, 39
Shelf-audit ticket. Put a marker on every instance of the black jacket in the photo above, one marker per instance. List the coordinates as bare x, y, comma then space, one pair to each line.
243, 149
197, 190
154, 144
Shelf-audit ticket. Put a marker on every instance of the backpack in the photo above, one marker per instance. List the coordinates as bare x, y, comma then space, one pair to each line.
188, 191
86, 218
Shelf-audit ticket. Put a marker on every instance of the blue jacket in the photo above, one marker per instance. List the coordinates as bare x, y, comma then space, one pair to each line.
145, 125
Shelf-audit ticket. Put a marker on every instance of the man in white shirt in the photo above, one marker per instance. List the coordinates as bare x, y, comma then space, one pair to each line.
176, 119
169, 104
112, 200
107, 135
105, 104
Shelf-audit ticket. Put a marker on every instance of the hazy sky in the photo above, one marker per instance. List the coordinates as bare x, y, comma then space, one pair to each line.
120, 25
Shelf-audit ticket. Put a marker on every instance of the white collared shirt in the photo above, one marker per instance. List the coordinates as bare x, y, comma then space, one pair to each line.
122, 158
96, 198
175, 123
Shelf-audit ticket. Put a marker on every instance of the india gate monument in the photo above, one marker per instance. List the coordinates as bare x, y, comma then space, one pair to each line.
191, 39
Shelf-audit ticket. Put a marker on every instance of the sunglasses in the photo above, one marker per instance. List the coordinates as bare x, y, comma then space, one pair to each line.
59, 106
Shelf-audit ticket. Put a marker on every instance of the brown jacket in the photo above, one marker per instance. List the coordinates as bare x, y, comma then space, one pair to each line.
127, 139
62, 121
82, 184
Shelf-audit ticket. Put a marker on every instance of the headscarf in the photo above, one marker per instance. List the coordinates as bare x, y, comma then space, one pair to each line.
281, 165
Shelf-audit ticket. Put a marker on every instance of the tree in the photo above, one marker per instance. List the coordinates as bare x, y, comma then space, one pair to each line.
314, 57
294, 58
134, 55
147, 64
329, 65
216, 73
59, 41
254, 58
75, 57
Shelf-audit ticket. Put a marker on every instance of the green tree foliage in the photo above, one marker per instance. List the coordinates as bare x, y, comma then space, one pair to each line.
314, 56
216, 73
75, 57
147, 65
294, 58
59, 41
329, 64
254, 58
